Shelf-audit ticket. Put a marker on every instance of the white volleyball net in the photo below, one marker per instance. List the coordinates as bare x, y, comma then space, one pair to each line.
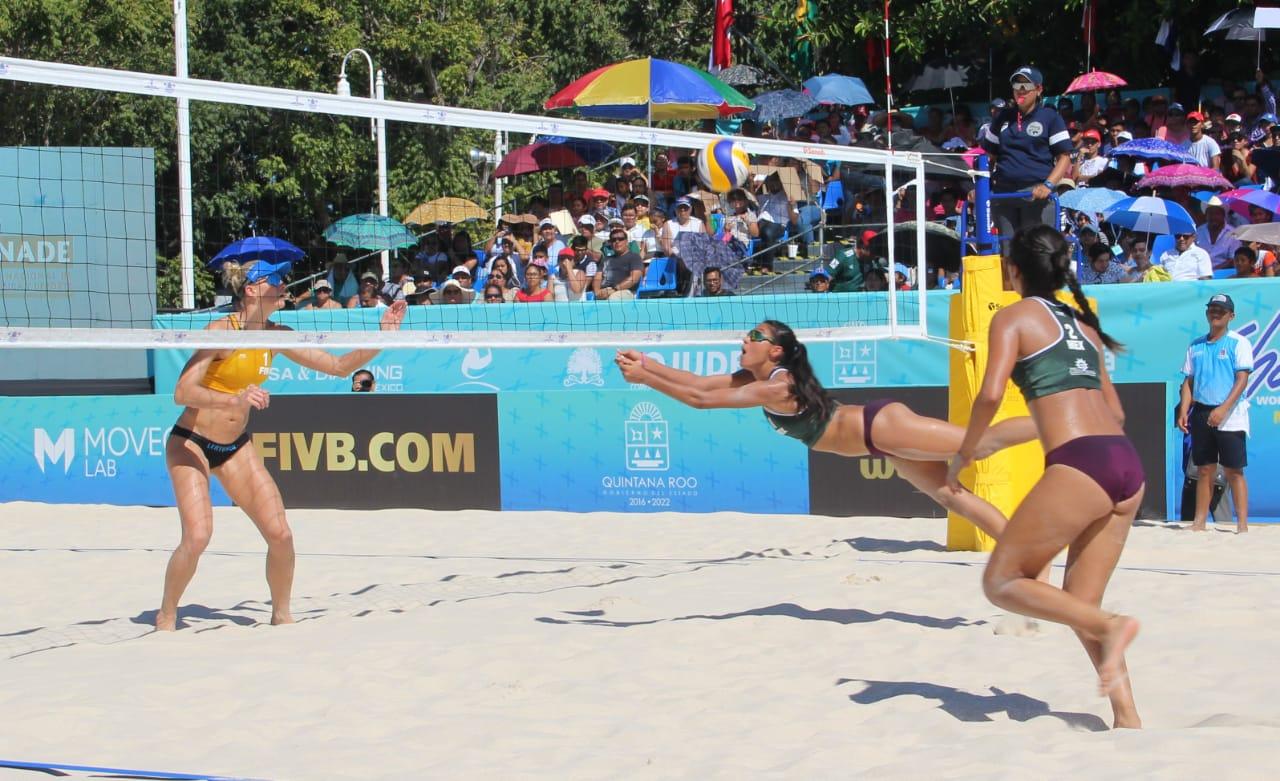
92, 204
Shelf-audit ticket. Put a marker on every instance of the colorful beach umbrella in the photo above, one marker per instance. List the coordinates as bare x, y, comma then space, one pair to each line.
1185, 175
839, 90
1095, 81
371, 232
267, 248
1147, 214
539, 156
650, 88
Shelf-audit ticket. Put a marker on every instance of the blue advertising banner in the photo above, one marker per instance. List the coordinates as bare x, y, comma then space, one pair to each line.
637, 451
88, 449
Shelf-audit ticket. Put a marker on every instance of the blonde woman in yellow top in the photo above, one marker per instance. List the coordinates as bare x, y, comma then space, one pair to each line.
218, 388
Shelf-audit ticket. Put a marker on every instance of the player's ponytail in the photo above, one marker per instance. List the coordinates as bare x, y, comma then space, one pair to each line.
1088, 316
805, 388
1043, 258
233, 276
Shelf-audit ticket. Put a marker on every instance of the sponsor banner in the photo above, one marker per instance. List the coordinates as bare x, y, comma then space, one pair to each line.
353, 451
88, 449
638, 451
868, 485
361, 452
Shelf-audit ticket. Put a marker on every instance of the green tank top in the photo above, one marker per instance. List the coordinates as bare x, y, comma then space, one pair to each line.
808, 426
1068, 362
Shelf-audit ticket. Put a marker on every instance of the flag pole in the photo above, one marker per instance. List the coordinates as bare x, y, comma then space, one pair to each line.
888, 84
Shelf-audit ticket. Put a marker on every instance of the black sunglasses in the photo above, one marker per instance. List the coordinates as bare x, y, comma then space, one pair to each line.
617, 238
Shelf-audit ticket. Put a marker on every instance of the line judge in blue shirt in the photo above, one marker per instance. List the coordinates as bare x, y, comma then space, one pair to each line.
1214, 412
1031, 148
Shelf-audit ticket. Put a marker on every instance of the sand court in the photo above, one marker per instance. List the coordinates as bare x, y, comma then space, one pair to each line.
552, 645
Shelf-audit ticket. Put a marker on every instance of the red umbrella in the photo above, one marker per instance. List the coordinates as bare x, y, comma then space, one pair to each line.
1095, 81
1185, 175
540, 156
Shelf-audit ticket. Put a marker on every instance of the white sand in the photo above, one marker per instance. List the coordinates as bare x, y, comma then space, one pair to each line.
542, 645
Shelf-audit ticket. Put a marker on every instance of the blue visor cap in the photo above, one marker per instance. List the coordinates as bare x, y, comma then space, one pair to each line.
272, 272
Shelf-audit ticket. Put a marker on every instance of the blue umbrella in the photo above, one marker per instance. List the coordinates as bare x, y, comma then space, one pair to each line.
267, 248
1090, 199
1152, 149
840, 90
781, 104
370, 231
590, 150
1147, 214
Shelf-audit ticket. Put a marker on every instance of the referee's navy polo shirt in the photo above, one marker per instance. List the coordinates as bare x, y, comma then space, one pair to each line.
1024, 147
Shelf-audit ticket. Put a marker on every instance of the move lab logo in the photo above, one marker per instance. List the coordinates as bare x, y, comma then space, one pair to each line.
854, 363
100, 450
647, 458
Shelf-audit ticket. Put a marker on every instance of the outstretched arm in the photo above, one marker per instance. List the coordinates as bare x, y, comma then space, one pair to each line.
345, 364
711, 382
1001, 356
743, 392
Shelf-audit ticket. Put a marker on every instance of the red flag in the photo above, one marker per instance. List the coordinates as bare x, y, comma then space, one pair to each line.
721, 52
874, 54
1089, 22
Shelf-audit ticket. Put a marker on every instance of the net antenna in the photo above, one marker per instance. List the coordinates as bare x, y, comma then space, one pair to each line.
41, 308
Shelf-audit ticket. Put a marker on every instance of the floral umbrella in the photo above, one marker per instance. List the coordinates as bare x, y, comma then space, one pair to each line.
1185, 175
1152, 149
649, 88
1095, 81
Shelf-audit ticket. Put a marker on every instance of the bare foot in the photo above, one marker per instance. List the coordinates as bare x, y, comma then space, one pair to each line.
166, 622
1197, 527
1121, 631
278, 619
1127, 722
1242, 528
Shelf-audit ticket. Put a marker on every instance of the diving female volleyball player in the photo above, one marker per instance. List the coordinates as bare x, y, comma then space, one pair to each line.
776, 376
218, 388
1093, 479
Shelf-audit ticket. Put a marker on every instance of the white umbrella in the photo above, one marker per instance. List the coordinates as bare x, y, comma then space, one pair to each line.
1247, 24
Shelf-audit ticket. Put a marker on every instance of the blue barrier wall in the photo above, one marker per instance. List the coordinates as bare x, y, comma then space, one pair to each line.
566, 416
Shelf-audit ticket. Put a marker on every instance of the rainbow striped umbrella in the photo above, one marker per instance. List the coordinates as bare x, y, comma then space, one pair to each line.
650, 88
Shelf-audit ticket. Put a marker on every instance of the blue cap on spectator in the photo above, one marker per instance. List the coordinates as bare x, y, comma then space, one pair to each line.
1223, 300
902, 269
683, 201
1268, 118
1031, 74
820, 271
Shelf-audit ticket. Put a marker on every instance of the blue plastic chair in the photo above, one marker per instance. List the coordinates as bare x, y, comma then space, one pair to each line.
658, 278
1159, 246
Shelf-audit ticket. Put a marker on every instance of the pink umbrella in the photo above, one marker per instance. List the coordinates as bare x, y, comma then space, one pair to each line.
1095, 81
539, 156
1185, 175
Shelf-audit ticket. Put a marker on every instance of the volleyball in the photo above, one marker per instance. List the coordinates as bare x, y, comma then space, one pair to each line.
723, 165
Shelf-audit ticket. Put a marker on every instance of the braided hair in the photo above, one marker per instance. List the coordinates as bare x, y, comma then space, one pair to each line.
808, 393
1043, 258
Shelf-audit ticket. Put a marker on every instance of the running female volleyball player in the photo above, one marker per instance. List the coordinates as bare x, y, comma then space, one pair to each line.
776, 376
218, 388
1093, 480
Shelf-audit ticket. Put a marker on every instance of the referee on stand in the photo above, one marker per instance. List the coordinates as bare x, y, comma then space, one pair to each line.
1031, 149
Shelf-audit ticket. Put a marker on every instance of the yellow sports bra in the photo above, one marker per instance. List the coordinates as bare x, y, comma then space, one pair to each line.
238, 370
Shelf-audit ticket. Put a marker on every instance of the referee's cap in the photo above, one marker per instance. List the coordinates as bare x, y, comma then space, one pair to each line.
1223, 300
1028, 72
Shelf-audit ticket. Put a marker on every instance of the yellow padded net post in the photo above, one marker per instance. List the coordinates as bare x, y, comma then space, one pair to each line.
1005, 478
